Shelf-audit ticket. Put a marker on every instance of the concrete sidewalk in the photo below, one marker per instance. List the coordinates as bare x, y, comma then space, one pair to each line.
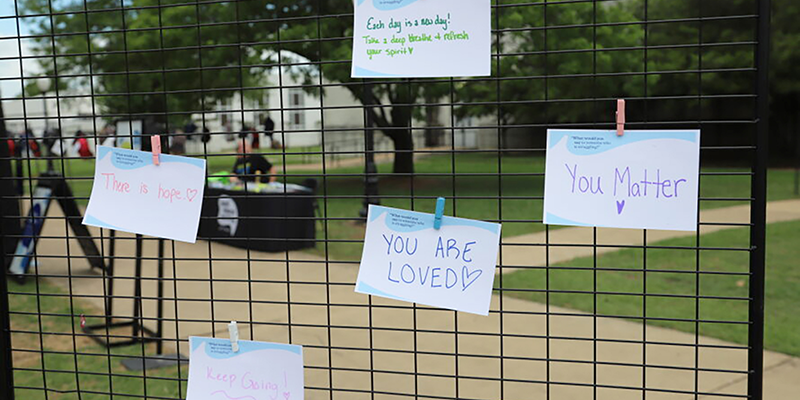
306, 300
569, 243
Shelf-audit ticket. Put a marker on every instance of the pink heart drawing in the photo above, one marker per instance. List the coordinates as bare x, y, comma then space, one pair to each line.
466, 275
191, 194
286, 395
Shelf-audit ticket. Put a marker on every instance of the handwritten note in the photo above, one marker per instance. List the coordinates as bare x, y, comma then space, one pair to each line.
258, 371
406, 259
132, 194
421, 38
642, 180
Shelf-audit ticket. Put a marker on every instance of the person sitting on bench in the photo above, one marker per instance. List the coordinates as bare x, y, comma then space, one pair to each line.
250, 166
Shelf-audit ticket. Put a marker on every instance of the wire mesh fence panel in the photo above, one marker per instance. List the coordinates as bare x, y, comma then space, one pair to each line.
576, 312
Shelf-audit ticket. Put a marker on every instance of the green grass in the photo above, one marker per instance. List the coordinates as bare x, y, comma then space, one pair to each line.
96, 372
469, 177
671, 272
676, 276
81, 171
521, 186
85, 167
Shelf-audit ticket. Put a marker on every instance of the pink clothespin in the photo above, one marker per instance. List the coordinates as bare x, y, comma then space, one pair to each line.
620, 117
155, 144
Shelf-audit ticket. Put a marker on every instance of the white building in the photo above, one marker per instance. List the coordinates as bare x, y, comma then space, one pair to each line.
302, 117
68, 114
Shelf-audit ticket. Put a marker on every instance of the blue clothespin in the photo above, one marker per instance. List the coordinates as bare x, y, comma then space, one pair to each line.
437, 218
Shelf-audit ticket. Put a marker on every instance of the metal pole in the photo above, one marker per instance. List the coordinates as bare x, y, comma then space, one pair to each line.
758, 210
137, 290
797, 166
6, 359
160, 309
112, 241
6, 190
44, 134
797, 176
44, 107
370, 168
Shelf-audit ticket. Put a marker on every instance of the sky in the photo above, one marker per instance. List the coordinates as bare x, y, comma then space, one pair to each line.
9, 47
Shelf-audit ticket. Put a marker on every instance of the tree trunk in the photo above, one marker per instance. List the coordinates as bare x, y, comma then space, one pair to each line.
432, 136
398, 129
403, 151
401, 132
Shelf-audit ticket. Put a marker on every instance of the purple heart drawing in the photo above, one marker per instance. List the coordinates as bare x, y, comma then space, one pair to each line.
620, 206
466, 275
286, 395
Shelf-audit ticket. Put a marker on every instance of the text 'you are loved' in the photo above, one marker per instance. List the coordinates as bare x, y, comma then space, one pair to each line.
406, 258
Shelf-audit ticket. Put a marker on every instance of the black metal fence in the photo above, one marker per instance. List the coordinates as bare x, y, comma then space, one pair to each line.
576, 313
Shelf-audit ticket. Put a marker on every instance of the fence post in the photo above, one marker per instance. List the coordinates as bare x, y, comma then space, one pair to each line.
7, 194
758, 210
6, 361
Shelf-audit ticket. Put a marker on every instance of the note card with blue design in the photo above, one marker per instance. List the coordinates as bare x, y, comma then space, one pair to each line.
258, 371
132, 194
421, 38
406, 259
641, 180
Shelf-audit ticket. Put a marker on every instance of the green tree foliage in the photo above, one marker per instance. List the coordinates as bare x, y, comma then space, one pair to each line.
326, 42
726, 57
145, 60
588, 51
784, 80
672, 60
139, 53
551, 75
687, 58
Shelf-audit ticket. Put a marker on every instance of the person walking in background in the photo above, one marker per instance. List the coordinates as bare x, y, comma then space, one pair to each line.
107, 137
255, 138
250, 134
29, 145
190, 128
12, 145
81, 145
55, 146
206, 137
15, 151
178, 144
227, 126
269, 131
50, 139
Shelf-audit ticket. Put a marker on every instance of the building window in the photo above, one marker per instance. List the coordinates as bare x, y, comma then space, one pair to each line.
296, 100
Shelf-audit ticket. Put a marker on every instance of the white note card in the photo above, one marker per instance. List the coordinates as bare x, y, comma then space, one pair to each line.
132, 194
421, 38
406, 259
258, 371
641, 180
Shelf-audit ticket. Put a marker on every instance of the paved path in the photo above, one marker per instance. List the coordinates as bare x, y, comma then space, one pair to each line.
569, 243
321, 295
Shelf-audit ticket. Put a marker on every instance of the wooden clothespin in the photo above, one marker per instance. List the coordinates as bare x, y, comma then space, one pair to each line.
620, 117
155, 144
437, 218
233, 330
